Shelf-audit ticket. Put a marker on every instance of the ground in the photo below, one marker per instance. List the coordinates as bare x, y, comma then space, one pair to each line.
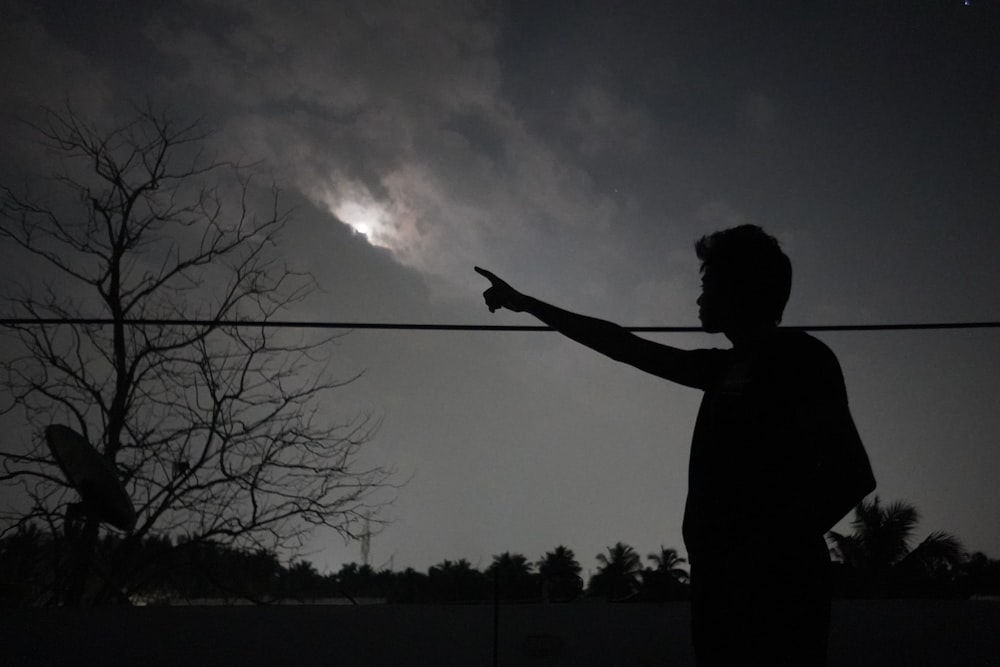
892, 633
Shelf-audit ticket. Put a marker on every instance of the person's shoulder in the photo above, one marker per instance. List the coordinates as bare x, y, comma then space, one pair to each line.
806, 356
803, 343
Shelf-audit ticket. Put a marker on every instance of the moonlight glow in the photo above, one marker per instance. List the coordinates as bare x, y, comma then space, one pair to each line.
369, 220
390, 225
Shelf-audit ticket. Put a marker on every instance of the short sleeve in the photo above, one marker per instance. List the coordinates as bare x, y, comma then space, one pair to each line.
711, 364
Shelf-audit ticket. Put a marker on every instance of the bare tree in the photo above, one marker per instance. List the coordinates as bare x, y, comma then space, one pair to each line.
219, 430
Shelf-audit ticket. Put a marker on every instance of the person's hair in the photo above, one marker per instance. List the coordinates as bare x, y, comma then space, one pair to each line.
751, 265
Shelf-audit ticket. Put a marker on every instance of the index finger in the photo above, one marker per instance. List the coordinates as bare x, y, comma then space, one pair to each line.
489, 275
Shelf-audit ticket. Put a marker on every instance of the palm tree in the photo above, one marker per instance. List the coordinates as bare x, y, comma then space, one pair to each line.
456, 581
560, 573
618, 576
879, 554
512, 577
355, 581
669, 562
666, 579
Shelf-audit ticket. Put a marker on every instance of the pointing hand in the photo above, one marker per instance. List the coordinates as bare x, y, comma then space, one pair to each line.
500, 294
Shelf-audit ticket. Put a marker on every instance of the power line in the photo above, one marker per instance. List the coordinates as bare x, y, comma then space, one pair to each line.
409, 326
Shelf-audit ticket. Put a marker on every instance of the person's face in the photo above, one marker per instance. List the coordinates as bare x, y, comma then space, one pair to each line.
725, 306
710, 303
714, 304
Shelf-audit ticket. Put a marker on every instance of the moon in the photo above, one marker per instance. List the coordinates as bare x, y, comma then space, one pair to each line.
389, 224
365, 219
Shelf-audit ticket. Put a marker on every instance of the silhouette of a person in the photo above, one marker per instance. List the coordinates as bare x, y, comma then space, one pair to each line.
775, 458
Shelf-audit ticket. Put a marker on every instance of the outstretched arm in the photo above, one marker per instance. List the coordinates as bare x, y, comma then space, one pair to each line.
609, 339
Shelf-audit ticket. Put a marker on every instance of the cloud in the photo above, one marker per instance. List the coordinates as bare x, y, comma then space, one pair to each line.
603, 123
396, 109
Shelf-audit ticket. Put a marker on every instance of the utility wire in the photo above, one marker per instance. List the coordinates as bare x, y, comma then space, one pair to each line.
398, 326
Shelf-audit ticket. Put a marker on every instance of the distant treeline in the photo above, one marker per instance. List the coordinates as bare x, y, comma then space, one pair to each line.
33, 567
33, 562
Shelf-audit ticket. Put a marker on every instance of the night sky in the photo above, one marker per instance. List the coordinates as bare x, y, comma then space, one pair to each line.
578, 149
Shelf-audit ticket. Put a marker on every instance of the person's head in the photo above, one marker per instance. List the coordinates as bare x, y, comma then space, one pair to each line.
746, 280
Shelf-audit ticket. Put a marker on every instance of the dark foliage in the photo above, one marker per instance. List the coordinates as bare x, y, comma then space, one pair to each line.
32, 559
879, 559
186, 572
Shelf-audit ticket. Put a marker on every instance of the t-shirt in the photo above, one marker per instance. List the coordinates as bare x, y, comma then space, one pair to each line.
774, 446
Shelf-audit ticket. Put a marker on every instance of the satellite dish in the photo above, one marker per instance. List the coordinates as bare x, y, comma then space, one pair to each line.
92, 476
